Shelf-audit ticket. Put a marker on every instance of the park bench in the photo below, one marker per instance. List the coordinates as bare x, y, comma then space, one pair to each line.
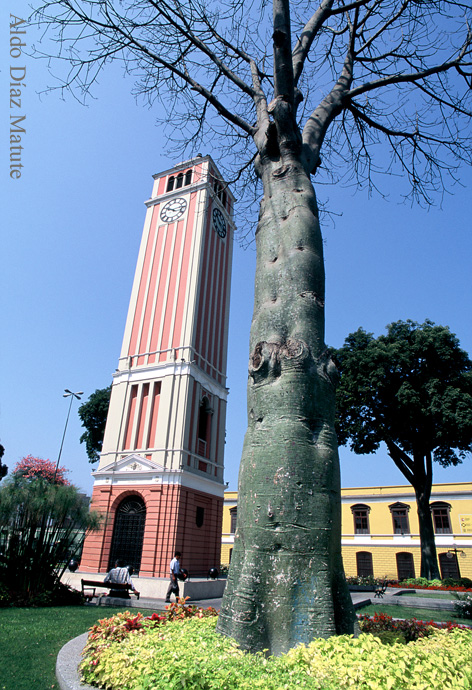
97, 584
381, 589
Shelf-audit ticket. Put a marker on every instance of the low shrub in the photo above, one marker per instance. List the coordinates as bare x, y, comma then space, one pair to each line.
120, 626
368, 664
190, 654
422, 582
463, 605
368, 580
59, 595
180, 609
457, 582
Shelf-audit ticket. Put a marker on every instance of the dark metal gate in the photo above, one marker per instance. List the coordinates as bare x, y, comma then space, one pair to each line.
128, 533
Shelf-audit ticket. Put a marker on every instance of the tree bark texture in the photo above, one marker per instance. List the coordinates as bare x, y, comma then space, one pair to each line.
286, 583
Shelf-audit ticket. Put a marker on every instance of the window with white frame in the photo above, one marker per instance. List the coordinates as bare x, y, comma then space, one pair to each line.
360, 513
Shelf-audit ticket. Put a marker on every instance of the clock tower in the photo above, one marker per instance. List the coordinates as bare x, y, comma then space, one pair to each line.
159, 484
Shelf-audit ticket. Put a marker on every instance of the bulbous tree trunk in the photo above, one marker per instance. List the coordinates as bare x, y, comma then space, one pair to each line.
286, 583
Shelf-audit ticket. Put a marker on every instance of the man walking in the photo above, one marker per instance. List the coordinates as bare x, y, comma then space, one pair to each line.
174, 577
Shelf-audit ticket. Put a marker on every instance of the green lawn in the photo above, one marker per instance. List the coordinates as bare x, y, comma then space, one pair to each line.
410, 612
30, 640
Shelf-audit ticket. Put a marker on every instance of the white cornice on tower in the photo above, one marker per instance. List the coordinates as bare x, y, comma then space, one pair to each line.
176, 368
137, 470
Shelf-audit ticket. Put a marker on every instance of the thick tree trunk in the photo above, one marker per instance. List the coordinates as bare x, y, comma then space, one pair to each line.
286, 583
418, 471
429, 558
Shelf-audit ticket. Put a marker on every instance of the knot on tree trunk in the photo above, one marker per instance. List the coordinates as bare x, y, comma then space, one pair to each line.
327, 369
279, 37
278, 103
282, 171
267, 359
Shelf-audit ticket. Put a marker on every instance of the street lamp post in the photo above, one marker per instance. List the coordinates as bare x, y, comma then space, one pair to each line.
67, 394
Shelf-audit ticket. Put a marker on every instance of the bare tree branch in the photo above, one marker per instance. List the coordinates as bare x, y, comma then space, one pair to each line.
395, 53
412, 76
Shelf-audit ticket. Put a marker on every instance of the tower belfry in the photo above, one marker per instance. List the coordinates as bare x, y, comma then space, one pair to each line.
159, 483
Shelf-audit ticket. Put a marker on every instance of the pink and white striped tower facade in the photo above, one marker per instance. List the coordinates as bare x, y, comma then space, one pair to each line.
159, 484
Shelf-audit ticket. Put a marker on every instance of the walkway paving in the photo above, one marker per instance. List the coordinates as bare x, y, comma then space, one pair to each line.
147, 603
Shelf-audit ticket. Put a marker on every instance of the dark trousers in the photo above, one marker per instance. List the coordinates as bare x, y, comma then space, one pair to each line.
173, 588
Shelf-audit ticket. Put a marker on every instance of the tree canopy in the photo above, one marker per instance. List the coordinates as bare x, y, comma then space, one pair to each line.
33, 468
412, 390
332, 75
93, 415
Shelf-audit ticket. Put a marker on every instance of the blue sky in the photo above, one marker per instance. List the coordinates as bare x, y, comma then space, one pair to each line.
71, 230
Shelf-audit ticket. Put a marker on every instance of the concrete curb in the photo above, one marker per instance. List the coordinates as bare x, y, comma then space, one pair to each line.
67, 665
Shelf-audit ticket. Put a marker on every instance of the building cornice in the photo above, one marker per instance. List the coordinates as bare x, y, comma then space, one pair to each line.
164, 369
183, 165
153, 479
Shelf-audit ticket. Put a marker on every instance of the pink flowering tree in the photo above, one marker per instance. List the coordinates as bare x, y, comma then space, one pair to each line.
37, 468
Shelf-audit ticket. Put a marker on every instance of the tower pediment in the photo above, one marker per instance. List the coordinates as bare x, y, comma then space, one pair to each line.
129, 464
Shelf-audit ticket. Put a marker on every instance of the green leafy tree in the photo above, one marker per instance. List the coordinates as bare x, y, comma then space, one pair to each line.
42, 524
93, 415
295, 91
412, 390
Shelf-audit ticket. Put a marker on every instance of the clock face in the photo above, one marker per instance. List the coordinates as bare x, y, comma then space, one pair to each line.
219, 222
173, 209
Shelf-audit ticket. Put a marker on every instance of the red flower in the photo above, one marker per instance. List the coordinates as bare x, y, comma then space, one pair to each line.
37, 468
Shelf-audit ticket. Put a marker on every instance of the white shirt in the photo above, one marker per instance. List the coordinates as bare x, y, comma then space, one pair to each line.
174, 566
119, 576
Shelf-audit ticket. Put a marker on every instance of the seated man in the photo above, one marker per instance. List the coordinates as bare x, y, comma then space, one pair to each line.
119, 575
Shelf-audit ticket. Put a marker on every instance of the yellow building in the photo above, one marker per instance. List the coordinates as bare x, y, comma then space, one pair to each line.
380, 532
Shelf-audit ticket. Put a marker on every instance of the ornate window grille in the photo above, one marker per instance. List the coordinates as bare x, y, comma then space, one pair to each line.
128, 533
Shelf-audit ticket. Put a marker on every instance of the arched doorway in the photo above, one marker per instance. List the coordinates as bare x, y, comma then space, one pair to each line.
128, 533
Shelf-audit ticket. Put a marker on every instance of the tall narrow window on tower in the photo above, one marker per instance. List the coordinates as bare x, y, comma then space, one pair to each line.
204, 428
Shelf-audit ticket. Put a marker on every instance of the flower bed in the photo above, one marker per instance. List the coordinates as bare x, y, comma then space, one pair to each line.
440, 588
447, 585
129, 652
122, 625
409, 629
